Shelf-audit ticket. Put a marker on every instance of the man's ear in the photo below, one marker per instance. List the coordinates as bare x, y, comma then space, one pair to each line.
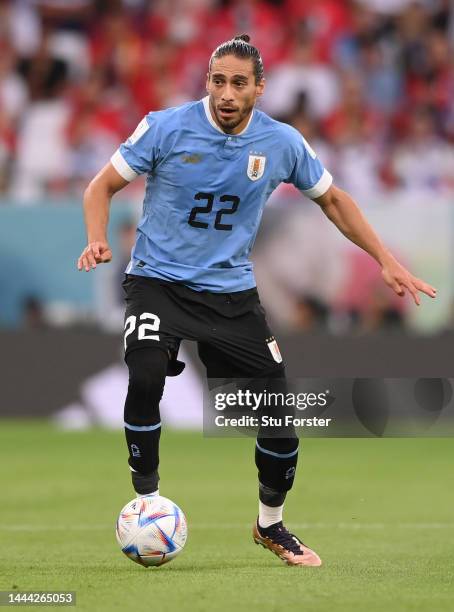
207, 81
260, 88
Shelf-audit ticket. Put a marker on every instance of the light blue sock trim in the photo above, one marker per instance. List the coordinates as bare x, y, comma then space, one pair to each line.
142, 427
278, 455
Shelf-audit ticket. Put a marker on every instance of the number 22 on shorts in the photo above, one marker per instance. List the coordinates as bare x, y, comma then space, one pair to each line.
144, 328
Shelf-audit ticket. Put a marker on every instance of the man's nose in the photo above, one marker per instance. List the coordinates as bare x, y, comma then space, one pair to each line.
227, 93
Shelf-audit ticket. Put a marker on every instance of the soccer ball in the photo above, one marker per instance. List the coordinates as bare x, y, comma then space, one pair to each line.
151, 530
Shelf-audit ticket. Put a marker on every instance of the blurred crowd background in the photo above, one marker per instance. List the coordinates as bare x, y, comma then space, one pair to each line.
370, 83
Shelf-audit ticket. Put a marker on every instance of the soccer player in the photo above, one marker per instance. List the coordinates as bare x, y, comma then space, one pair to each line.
210, 166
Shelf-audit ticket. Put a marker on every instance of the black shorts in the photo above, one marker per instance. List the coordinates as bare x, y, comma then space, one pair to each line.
230, 328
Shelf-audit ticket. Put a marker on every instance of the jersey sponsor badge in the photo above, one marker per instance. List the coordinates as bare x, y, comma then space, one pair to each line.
139, 131
274, 349
256, 166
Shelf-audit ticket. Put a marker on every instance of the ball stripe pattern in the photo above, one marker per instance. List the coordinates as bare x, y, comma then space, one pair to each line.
151, 530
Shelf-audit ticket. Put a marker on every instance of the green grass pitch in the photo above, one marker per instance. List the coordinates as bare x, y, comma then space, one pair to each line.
379, 512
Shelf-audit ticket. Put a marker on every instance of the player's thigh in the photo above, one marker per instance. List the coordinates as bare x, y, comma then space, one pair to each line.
242, 345
242, 353
270, 385
149, 317
216, 363
224, 364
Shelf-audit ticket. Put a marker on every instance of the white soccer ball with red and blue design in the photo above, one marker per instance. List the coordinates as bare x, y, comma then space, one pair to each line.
151, 530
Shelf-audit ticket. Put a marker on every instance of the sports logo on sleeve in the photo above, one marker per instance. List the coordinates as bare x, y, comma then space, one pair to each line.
139, 131
256, 166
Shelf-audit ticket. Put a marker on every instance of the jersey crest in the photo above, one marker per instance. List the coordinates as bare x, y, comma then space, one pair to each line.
256, 166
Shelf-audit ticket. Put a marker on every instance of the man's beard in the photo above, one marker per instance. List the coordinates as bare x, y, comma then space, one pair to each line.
228, 125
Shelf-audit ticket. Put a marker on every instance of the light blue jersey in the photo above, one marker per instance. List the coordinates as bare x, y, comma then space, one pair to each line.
206, 191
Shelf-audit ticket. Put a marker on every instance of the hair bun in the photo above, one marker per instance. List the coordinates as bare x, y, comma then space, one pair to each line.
241, 48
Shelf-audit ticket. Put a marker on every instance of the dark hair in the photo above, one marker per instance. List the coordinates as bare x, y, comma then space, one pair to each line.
241, 48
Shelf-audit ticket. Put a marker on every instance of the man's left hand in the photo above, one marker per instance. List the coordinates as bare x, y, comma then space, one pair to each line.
400, 280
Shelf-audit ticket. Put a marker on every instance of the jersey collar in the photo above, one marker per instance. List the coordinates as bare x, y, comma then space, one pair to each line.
209, 116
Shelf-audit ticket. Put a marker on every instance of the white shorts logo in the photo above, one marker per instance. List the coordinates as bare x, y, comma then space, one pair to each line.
256, 167
274, 350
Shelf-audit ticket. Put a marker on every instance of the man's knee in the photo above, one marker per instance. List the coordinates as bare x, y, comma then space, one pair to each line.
147, 367
147, 373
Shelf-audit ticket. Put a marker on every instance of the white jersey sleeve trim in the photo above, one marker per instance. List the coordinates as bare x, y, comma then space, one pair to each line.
320, 187
122, 167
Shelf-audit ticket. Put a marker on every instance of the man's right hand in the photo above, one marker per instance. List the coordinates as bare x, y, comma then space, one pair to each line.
94, 253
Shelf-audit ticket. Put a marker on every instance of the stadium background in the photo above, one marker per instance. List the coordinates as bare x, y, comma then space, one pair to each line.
370, 83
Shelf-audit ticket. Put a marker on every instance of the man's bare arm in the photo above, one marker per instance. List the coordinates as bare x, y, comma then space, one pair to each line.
341, 209
97, 198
